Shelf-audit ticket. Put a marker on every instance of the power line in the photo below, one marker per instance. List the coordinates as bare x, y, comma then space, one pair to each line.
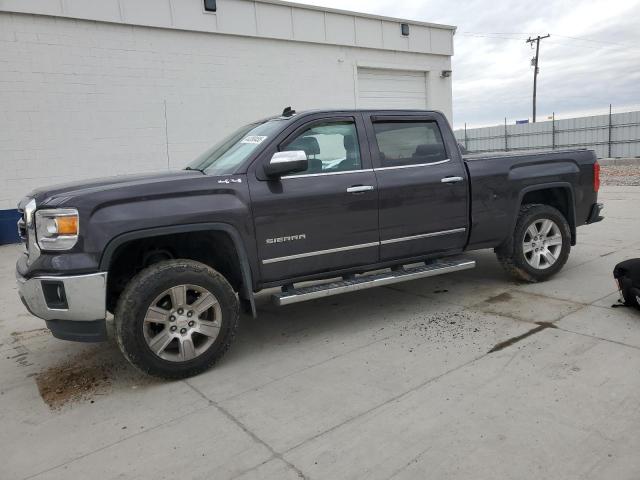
494, 33
576, 39
535, 68
490, 35
575, 43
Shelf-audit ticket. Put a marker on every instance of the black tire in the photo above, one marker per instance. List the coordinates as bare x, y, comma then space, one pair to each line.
512, 256
137, 298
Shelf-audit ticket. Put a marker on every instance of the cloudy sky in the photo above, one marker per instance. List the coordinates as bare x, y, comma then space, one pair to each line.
591, 60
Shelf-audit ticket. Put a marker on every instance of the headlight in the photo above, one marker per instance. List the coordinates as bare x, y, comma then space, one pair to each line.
57, 229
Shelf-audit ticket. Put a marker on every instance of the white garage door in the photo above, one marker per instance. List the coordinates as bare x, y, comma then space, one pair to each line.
379, 88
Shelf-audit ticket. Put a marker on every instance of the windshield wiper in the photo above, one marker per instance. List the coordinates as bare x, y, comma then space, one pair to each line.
195, 169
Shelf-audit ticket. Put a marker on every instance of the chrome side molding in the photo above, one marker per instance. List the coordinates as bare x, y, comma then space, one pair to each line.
362, 245
346, 172
325, 174
423, 235
319, 252
415, 165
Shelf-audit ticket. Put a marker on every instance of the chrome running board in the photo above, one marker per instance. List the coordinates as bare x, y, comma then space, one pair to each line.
360, 282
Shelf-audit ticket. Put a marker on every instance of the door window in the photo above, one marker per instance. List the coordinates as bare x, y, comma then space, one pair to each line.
330, 147
409, 143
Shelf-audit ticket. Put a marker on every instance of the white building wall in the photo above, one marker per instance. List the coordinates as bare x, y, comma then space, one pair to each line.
259, 18
81, 99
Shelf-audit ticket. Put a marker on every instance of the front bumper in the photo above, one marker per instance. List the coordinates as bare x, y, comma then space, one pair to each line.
77, 308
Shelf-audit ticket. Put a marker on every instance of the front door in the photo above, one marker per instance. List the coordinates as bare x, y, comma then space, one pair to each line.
422, 189
325, 218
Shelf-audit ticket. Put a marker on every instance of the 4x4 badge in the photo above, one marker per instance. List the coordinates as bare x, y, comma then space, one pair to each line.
230, 180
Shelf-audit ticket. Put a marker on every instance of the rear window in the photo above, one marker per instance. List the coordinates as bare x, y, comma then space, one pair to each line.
409, 143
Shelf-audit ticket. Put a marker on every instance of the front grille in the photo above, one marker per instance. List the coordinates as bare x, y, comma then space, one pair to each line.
22, 227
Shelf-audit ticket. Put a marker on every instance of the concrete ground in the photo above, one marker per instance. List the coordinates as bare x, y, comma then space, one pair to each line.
414, 381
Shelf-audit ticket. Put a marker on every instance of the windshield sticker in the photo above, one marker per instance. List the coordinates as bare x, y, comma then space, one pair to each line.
255, 139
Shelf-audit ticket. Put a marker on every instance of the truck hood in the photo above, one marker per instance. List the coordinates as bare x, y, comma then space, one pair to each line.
56, 195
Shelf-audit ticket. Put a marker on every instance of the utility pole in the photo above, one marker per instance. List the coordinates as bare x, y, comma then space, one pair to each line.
534, 62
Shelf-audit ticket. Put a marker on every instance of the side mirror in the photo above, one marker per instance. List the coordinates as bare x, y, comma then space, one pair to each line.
286, 162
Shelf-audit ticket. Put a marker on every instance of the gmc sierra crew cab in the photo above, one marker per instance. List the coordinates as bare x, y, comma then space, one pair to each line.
340, 200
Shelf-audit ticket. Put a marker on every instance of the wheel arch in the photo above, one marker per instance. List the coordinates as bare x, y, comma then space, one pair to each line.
559, 195
246, 290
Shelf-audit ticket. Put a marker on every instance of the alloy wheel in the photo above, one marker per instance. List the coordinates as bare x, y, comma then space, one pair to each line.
542, 243
182, 322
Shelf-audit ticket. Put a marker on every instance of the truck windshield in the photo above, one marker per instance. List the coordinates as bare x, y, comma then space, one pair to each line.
225, 157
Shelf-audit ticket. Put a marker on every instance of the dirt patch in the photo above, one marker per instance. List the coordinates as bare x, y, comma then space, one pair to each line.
441, 326
503, 297
19, 347
625, 175
527, 307
79, 378
29, 334
21, 356
85, 376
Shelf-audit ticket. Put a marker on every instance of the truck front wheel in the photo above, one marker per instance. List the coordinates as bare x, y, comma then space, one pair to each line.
176, 318
540, 244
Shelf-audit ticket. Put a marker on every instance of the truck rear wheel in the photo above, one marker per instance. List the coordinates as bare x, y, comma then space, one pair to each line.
540, 244
176, 318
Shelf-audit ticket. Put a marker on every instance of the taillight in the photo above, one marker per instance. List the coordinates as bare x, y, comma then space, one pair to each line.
596, 177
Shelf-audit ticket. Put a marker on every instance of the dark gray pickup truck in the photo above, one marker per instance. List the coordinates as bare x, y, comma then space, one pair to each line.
362, 198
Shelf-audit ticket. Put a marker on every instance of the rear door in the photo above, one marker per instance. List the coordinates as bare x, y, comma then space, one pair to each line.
325, 218
422, 187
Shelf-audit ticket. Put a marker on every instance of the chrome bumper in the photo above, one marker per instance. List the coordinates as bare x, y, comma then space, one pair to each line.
85, 297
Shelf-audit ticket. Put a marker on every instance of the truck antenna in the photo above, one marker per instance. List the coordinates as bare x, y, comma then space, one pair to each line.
288, 112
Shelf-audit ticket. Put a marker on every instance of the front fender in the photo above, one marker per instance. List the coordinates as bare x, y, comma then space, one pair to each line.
243, 256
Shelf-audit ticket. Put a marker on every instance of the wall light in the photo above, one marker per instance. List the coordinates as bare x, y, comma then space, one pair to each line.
209, 5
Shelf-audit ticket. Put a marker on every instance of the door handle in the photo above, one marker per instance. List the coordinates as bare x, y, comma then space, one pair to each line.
359, 188
451, 179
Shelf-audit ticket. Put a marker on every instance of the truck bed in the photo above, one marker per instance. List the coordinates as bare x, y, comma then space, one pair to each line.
499, 181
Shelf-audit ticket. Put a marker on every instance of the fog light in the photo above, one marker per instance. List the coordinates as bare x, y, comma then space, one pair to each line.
54, 294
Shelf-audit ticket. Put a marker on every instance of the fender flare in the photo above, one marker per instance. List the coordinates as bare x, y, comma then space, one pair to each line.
245, 266
546, 186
